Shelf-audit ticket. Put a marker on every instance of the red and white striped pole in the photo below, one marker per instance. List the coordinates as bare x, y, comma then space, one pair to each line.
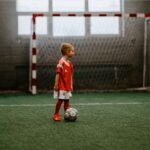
33, 41
138, 15
34, 55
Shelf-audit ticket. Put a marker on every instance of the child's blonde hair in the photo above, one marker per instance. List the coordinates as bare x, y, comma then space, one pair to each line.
65, 47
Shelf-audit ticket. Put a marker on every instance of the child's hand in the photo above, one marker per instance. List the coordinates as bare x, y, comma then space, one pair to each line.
71, 88
56, 82
56, 87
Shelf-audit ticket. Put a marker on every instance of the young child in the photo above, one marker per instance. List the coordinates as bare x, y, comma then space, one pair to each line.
63, 80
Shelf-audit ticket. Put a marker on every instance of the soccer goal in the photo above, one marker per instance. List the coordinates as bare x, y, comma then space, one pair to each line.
109, 55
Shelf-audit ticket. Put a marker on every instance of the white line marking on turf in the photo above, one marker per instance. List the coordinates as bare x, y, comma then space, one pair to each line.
76, 104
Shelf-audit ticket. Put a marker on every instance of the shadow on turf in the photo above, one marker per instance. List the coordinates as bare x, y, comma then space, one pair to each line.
63, 121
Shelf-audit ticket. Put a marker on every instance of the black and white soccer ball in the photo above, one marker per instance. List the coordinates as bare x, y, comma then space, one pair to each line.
71, 114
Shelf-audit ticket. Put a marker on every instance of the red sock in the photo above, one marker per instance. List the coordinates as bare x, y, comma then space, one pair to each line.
66, 104
58, 105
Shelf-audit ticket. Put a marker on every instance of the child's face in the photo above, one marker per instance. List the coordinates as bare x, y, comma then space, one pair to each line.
71, 52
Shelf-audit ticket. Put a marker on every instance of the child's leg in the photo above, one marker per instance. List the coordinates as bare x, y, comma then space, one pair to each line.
58, 105
66, 104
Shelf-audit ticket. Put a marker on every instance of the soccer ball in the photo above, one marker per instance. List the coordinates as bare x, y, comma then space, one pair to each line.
71, 114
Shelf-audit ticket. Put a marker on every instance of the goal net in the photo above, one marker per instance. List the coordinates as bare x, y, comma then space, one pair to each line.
102, 61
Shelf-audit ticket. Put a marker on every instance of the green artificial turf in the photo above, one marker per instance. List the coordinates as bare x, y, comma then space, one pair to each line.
110, 126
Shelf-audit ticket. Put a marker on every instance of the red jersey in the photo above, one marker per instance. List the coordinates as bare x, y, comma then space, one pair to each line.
65, 69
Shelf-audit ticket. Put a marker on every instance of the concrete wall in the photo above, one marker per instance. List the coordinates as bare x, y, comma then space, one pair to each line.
14, 50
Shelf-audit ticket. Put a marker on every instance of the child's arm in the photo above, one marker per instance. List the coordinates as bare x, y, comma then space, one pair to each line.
72, 83
56, 82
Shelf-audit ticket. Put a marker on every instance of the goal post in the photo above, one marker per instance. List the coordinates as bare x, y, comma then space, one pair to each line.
101, 62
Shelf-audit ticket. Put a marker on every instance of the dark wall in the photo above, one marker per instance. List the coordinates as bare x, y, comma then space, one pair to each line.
14, 50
